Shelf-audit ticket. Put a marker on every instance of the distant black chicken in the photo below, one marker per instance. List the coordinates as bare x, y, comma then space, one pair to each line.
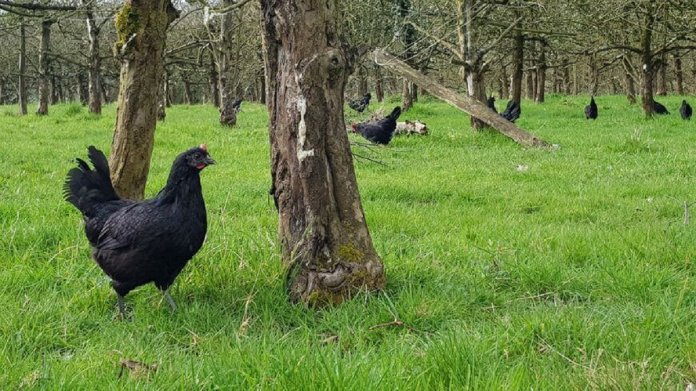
659, 108
137, 242
685, 110
591, 111
360, 105
380, 131
490, 102
512, 111
228, 115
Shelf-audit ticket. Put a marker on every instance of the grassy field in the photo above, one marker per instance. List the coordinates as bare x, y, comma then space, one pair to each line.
510, 268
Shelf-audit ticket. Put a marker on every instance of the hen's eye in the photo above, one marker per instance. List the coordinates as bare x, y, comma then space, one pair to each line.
197, 156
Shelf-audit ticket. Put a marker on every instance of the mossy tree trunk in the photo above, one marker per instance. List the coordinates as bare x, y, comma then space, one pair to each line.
141, 27
325, 239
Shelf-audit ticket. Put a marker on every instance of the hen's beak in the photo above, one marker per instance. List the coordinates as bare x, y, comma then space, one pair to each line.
208, 160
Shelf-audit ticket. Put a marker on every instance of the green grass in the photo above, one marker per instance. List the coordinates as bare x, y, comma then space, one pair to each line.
513, 268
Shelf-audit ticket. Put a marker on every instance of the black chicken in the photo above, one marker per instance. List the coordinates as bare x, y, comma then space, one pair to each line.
360, 105
685, 110
591, 111
228, 115
490, 102
659, 108
380, 131
137, 242
512, 111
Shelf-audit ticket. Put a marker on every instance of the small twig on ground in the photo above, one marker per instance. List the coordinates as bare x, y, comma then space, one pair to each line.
393, 323
370, 159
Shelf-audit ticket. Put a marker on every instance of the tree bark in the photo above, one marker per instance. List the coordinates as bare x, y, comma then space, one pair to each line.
541, 66
213, 82
679, 73
517, 61
566, 77
503, 91
406, 96
225, 57
44, 77
473, 70
594, 76
379, 84
325, 239
141, 36
662, 79
464, 103
647, 65
408, 35
21, 84
94, 88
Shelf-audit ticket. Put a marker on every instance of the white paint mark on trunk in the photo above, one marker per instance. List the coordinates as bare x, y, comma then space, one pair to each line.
302, 154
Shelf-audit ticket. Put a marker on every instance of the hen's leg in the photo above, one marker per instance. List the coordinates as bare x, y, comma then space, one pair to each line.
121, 306
121, 291
169, 299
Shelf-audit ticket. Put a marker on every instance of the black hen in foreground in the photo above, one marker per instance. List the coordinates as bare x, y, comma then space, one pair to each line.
591, 111
490, 102
380, 131
685, 110
360, 105
512, 111
137, 242
659, 108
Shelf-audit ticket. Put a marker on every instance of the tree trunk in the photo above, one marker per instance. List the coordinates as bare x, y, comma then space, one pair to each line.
325, 239
82, 88
406, 96
529, 78
379, 84
517, 61
503, 92
94, 89
662, 79
141, 36
541, 66
225, 57
362, 81
2, 91
213, 82
21, 84
629, 82
473, 72
566, 77
408, 35
679, 73
647, 98
188, 96
44, 78
594, 76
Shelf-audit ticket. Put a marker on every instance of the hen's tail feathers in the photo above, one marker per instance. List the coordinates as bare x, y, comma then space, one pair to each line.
394, 115
85, 187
